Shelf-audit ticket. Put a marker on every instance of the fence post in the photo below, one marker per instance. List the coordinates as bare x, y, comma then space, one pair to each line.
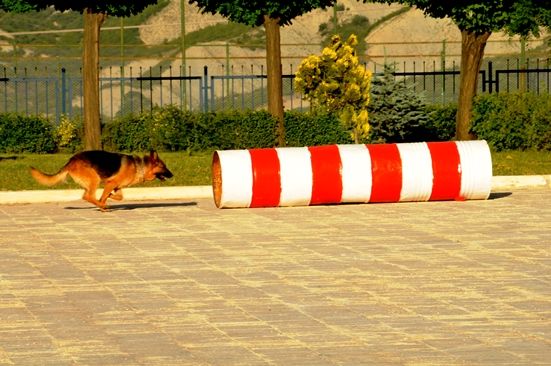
205, 88
63, 93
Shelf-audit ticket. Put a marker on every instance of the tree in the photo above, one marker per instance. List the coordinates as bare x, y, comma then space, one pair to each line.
95, 12
336, 82
272, 15
396, 112
477, 20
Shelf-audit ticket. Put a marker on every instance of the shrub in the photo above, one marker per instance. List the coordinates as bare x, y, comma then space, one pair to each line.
441, 122
69, 134
31, 134
310, 129
243, 130
163, 129
396, 112
510, 121
336, 82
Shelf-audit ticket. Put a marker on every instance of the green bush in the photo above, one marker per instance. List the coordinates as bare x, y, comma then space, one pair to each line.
441, 122
68, 134
309, 129
506, 121
396, 112
242, 130
31, 134
511, 121
164, 129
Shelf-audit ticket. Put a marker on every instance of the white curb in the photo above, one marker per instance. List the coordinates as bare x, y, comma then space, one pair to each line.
197, 192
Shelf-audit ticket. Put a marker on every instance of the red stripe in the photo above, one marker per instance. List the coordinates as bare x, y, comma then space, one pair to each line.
326, 174
386, 170
266, 181
446, 170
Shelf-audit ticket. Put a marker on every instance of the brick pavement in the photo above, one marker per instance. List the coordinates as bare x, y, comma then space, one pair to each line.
184, 283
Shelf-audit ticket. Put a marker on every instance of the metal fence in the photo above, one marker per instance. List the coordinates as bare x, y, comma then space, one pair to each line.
134, 90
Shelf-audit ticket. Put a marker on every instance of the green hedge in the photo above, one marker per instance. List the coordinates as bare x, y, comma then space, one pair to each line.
512, 121
26, 134
506, 121
171, 129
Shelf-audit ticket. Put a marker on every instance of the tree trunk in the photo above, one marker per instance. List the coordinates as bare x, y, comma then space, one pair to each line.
90, 77
275, 86
472, 52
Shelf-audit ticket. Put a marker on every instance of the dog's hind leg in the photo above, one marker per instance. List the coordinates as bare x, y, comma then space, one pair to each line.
89, 180
116, 194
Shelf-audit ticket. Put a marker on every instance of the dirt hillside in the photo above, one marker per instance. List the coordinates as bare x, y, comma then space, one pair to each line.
410, 36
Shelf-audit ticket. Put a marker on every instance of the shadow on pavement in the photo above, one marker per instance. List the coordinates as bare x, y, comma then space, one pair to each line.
498, 195
133, 206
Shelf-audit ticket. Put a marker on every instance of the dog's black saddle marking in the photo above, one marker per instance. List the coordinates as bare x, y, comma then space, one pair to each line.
105, 163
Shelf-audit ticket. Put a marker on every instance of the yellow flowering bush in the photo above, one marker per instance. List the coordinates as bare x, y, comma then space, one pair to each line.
336, 82
67, 133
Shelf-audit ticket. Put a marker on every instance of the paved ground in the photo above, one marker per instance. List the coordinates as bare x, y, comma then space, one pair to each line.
184, 283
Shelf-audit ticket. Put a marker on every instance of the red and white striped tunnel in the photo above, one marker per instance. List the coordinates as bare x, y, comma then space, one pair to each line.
332, 174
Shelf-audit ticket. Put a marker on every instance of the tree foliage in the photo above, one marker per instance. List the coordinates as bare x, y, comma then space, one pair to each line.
117, 8
513, 16
252, 12
477, 20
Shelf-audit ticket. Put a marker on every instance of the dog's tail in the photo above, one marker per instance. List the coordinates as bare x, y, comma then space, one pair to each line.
49, 179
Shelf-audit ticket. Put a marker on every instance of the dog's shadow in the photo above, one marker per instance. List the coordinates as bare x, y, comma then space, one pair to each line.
133, 206
499, 195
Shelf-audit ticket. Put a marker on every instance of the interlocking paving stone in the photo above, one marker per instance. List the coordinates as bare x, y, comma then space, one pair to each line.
185, 283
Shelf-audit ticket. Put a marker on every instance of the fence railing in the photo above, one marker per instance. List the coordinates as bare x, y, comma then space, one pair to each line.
122, 91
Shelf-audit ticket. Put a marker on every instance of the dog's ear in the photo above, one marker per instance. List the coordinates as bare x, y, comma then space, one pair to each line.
153, 155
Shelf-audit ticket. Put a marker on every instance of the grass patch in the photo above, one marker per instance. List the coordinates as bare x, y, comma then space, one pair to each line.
195, 169
188, 170
521, 162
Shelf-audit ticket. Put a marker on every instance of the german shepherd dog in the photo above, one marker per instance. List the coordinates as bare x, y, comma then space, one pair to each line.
115, 171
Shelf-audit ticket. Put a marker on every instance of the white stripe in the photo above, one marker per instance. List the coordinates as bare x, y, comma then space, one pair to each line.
476, 169
237, 178
295, 169
355, 173
417, 175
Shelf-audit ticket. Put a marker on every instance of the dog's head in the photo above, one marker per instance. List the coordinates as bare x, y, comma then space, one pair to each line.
156, 168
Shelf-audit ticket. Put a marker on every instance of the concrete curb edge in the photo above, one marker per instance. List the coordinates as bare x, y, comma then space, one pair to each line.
196, 192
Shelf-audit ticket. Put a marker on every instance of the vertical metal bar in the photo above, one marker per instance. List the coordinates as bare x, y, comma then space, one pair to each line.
63, 88
292, 90
206, 91
434, 82
111, 89
141, 90
538, 76
150, 91
262, 101
252, 86
242, 88
160, 85
26, 89
232, 88
5, 91
518, 74
507, 78
527, 75
191, 91
131, 92
170, 85
443, 80
36, 91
